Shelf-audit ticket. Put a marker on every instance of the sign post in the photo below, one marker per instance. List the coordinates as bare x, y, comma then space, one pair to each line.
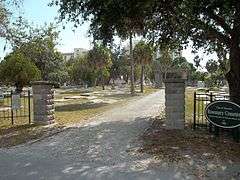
16, 101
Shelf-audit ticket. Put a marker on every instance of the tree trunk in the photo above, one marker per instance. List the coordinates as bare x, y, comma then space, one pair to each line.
233, 76
132, 66
102, 81
19, 87
142, 77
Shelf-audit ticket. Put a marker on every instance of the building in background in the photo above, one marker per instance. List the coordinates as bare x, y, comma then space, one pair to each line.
76, 52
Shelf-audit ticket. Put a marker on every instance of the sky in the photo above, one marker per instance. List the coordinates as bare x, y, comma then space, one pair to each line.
38, 12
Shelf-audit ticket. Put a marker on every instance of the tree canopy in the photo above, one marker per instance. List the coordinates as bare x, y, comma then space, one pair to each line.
16, 69
211, 24
40, 47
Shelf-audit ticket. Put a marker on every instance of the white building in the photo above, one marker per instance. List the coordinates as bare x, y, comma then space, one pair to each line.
76, 52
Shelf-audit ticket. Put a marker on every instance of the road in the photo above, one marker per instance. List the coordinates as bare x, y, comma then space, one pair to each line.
99, 149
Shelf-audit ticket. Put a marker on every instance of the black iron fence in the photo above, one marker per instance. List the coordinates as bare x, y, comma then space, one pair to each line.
201, 100
15, 108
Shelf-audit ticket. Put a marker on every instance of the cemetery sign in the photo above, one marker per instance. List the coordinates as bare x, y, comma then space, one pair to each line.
16, 101
223, 114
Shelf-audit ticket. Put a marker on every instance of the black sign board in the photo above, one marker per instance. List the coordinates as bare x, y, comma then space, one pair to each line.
224, 114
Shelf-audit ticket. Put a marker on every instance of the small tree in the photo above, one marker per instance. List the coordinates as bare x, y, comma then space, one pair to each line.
18, 70
81, 72
40, 48
164, 62
216, 73
143, 56
100, 59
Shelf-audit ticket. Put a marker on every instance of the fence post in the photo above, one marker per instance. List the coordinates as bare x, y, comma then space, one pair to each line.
29, 107
12, 108
194, 110
210, 124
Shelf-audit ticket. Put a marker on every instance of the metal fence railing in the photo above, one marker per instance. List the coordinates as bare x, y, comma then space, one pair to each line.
201, 100
15, 108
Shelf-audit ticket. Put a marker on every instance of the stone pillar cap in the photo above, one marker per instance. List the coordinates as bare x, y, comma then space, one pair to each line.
42, 83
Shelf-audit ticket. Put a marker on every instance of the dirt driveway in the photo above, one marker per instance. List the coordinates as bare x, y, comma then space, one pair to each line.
100, 149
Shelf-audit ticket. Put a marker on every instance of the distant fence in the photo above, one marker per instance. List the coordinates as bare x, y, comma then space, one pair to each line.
15, 108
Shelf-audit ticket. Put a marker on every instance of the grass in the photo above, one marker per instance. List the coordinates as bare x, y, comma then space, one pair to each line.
189, 103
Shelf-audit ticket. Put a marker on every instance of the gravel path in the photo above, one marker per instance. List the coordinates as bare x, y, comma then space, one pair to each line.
100, 149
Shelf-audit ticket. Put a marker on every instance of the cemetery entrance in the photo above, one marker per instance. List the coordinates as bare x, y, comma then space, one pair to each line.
15, 108
201, 101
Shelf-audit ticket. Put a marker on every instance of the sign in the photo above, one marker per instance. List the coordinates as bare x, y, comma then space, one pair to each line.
16, 101
223, 114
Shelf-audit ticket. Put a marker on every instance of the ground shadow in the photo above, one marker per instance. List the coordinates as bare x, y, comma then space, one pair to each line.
77, 107
119, 96
99, 150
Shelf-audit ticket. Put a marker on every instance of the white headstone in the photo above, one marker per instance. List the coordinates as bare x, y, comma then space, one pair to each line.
200, 84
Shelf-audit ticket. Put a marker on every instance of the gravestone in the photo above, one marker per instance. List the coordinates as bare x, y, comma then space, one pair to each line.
175, 103
43, 102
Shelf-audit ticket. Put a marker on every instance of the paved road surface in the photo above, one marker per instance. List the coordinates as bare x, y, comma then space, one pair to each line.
97, 150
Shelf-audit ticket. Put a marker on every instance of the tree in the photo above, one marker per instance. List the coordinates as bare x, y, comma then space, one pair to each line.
16, 69
216, 73
10, 26
164, 62
210, 24
107, 19
212, 66
81, 72
60, 76
182, 63
3, 19
100, 59
143, 56
40, 48
120, 64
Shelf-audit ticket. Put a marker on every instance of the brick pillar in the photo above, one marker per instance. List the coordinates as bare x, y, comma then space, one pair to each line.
175, 103
43, 102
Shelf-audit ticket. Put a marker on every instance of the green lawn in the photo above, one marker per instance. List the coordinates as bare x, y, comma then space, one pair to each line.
189, 104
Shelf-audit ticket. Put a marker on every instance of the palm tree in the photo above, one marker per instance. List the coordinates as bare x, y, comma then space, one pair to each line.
142, 55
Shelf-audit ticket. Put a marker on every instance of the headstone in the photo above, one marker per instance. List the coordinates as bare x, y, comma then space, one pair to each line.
200, 84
